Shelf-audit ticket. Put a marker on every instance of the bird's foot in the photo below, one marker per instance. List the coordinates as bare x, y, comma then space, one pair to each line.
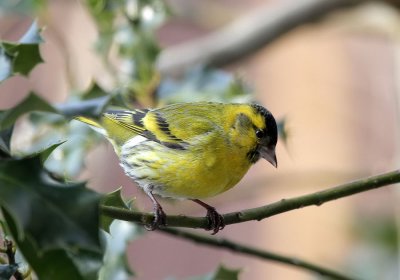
160, 219
215, 220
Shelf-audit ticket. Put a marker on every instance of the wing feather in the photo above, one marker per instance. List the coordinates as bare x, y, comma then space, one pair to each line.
173, 126
144, 123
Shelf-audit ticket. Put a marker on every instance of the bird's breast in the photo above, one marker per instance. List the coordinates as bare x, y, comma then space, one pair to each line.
197, 172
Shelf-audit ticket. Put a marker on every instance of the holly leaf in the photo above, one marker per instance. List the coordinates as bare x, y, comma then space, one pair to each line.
111, 199
31, 103
115, 260
8, 117
224, 273
119, 233
54, 224
44, 208
95, 91
21, 57
5, 140
61, 264
46, 152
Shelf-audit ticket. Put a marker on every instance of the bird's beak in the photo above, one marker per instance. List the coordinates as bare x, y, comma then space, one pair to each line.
268, 153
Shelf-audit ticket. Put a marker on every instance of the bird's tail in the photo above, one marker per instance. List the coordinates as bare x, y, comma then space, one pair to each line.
93, 124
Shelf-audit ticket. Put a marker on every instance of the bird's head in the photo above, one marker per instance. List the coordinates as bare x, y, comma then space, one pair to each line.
256, 130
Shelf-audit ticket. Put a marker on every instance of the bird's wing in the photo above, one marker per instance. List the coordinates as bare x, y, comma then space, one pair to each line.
129, 121
172, 126
122, 125
187, 121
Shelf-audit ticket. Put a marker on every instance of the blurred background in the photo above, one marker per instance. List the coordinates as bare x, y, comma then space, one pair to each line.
333, 78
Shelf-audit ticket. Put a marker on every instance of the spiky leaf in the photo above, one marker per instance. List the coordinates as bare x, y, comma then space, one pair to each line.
115, 260
112, 199
51, 221
21, 57
31, 103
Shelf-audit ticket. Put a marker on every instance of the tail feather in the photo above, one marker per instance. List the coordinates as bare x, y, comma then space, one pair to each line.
93, 124
116, 134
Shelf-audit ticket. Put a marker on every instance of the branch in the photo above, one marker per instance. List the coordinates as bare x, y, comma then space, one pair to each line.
247, 34
254, 252
259, 213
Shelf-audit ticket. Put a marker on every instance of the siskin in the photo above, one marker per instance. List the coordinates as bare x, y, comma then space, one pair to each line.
189, 150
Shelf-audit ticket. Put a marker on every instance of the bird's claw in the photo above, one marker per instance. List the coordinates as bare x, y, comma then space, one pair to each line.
160, 219
215, 220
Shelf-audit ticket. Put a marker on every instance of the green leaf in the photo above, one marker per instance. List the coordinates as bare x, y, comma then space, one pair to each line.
131, 31
21, 57
7, 271
8, 117
67, 159
224, 273
115, 260
53, 208
51, 222
5, 139
31, 103
111, 199
46, 152
4, 228
60, 264
95, 91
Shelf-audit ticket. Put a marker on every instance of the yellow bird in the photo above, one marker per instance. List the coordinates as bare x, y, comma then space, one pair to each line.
189, 150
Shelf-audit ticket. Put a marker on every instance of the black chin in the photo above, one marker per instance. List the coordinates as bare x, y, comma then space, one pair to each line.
254, 155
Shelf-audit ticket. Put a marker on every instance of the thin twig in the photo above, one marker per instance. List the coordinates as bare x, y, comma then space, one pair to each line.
255, 252
259, 213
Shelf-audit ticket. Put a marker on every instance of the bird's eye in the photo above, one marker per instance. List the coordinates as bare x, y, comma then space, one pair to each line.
259, 133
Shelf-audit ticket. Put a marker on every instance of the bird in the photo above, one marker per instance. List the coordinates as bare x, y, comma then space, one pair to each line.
189, 151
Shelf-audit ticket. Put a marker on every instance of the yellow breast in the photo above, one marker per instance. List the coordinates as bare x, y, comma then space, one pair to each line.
201, 171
